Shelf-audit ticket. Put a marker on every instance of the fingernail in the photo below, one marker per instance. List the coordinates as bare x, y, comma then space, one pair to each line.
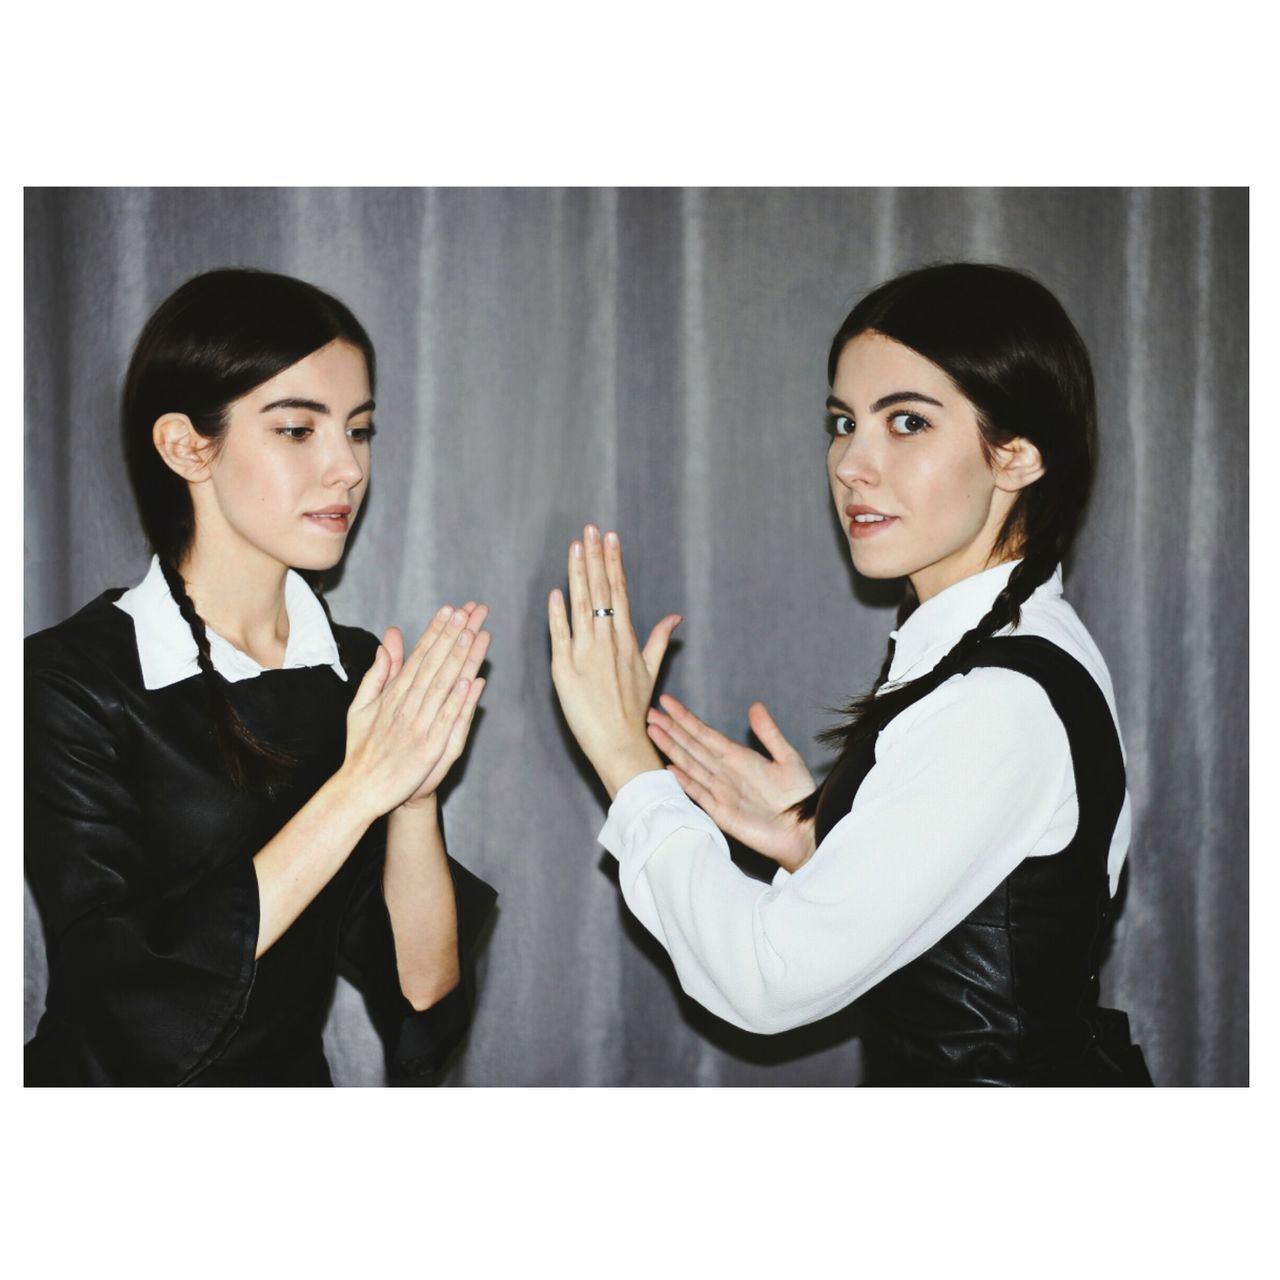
611, 538
576, 550
593, 534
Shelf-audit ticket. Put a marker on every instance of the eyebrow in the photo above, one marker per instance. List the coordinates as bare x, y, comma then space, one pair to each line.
894, 397
314, 406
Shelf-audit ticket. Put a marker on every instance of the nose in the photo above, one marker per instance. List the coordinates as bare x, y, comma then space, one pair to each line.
343, 467
856, 463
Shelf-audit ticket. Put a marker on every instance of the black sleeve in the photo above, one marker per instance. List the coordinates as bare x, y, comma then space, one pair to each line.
146, 983
417, 1042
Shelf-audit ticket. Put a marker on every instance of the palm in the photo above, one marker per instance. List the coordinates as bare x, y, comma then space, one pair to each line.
746, 794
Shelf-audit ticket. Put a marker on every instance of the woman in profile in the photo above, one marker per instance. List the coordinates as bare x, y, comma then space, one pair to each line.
226, 791
954, 872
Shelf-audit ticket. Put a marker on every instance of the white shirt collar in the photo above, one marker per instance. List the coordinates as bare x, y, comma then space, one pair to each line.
167, 650
931, 631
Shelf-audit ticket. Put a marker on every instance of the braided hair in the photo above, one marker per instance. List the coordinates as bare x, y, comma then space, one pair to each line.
212, 341
1009, 347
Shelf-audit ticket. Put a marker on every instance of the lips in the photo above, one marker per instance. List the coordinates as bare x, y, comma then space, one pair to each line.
867, 522
334, 519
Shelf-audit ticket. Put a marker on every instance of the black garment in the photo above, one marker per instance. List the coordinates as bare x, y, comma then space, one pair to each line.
1010, 995
139, 851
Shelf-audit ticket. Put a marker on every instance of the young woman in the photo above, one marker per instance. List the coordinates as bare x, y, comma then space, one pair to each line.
954, 872
226, 792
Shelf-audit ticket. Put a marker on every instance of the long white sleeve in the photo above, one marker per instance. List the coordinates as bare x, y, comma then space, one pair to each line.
967, 782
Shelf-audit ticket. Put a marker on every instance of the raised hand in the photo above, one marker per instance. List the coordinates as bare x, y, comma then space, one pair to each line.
410, 717
604, 680
744, 793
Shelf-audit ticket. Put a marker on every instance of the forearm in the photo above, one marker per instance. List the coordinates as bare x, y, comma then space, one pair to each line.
305, 855
418, 890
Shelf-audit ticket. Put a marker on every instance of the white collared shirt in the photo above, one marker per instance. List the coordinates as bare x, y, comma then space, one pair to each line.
968, 781
167, 650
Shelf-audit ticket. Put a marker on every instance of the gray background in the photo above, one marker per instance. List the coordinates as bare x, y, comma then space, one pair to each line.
655, 360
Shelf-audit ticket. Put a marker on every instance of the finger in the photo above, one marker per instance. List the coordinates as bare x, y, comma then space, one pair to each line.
462, 725
475, 655
679, 757
393, 642
766, 729
425, 666
446, 714
446, 676
711, 739
374, 679
617, 575
597, 579
558, 624
691, 750
693, 789
430, 634
655, 647
579, 594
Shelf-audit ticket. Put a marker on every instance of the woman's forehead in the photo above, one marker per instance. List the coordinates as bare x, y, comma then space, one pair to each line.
871, 362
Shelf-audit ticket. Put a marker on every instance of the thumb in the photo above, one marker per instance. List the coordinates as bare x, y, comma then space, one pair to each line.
766, 729
374, 679
655, 647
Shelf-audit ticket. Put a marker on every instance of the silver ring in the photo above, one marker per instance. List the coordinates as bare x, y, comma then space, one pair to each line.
602, 613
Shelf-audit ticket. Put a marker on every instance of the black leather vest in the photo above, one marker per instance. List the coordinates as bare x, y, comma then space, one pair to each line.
1010, 995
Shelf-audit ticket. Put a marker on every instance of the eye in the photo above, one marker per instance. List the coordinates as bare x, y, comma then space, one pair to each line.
292, 431
361, 435
907, 424
837, 424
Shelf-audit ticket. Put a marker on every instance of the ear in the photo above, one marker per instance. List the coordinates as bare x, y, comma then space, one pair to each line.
182, 447
1016, 465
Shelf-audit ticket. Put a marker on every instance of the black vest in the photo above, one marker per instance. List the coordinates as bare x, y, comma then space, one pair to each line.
1010, 995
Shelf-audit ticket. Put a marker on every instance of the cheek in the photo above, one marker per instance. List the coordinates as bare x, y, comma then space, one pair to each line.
257, 483
951, 480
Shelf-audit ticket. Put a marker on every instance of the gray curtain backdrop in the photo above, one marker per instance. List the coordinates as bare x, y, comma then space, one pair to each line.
654, 360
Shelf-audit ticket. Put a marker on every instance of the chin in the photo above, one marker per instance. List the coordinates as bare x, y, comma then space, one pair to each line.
878, 567
314, 563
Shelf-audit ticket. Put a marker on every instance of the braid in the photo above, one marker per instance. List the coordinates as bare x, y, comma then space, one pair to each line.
865, 715
249, 761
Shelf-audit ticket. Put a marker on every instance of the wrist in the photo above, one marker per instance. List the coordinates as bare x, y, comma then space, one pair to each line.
618, 768
421, 806
351, 794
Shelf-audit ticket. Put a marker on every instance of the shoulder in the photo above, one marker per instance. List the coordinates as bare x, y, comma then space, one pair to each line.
989, 723
78, 675
1052, 618
988, 700
95, 646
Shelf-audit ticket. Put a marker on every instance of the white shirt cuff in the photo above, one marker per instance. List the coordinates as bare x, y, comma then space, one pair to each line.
634, 799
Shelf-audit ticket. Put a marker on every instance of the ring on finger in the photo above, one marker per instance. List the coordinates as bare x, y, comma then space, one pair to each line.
602, 613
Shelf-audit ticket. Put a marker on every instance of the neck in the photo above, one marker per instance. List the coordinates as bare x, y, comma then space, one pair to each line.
241, 599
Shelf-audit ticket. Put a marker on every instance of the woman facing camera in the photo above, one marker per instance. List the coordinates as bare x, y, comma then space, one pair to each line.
227, 793
954, 872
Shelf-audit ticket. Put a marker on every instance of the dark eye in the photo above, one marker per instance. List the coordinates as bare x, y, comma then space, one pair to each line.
361, 435
294, 432
838, 424
908, 424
